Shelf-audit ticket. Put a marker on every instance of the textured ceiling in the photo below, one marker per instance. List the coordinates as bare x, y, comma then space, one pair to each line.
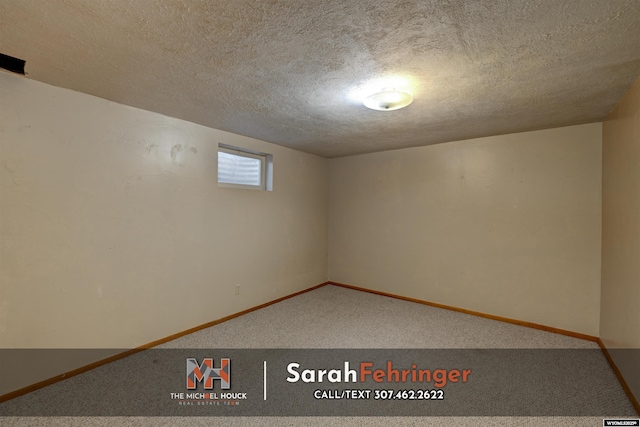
283, 71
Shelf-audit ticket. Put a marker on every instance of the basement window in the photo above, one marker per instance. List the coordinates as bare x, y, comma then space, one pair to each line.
241, 168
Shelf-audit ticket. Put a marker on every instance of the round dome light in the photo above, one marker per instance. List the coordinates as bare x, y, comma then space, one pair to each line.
388, 100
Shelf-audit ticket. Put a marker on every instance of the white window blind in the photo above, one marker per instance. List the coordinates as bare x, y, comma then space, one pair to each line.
243, 168
240, 168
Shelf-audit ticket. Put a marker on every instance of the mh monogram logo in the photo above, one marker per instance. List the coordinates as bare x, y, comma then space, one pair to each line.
207, 373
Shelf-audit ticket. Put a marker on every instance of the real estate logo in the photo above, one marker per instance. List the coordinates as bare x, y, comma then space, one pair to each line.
206, 373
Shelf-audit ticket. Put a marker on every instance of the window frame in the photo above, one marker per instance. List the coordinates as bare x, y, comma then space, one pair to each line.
266, 167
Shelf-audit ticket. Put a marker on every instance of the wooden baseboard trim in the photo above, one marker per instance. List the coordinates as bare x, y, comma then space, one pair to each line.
78, 371
61, 377
624, 384
474, 313
83, 369
224, 319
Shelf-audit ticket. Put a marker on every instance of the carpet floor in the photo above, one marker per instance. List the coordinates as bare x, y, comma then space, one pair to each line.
336, 317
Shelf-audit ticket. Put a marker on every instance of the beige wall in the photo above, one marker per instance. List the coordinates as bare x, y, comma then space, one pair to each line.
620, 307
114, 232
506, 225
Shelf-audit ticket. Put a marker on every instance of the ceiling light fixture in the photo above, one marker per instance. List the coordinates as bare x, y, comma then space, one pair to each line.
388, 99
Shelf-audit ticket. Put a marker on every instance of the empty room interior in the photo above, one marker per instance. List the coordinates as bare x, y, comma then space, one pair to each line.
365, 175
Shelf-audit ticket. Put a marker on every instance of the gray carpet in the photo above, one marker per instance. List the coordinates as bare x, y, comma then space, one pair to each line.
334, 317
